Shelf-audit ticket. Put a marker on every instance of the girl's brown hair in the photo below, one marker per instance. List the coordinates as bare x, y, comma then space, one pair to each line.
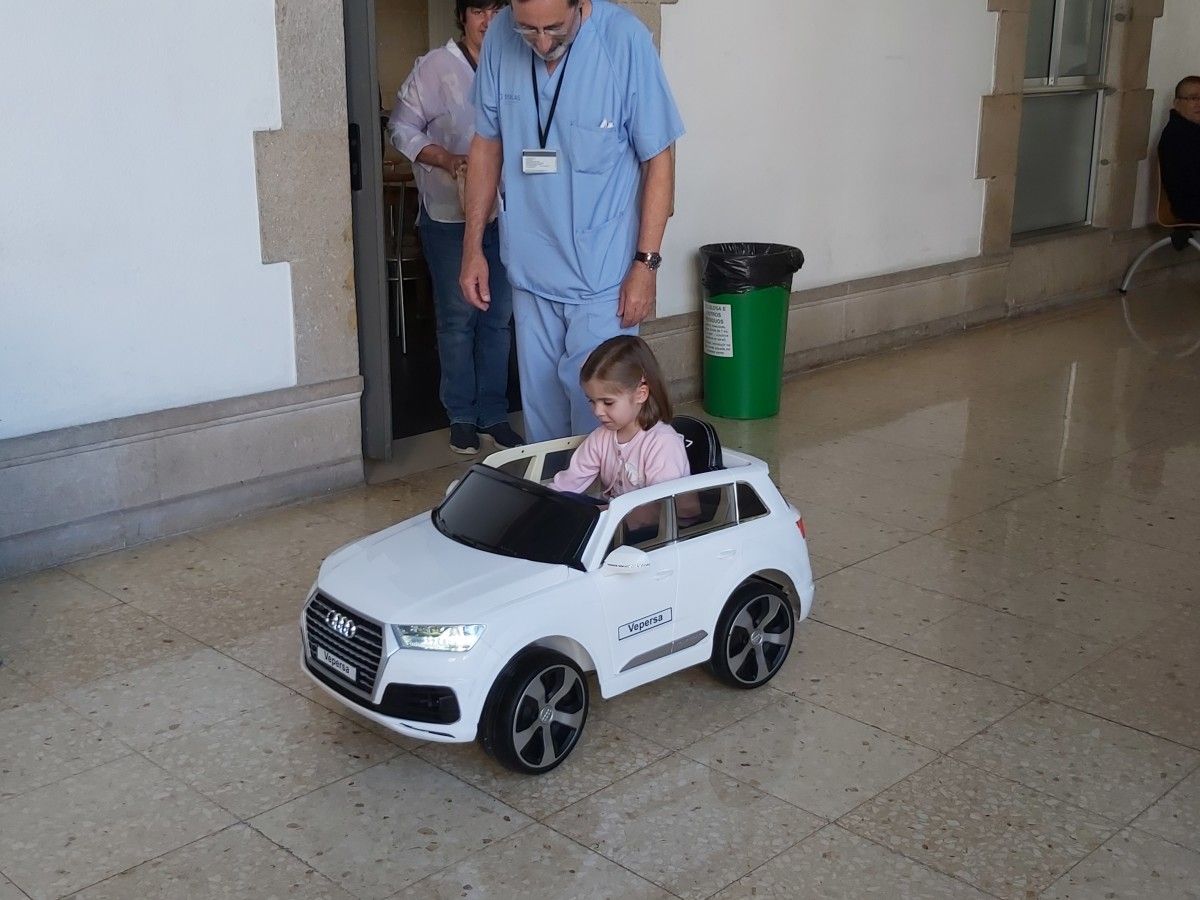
627, 361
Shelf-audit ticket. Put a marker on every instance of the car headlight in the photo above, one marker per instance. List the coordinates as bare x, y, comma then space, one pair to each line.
446, 638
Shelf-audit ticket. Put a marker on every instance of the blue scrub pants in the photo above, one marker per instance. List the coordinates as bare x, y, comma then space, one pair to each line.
553, 340
473, 346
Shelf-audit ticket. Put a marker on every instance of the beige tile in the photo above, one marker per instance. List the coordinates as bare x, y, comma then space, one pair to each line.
535, 864
812, 757
1132, 865
173, 698
49, 593
275, 652
835, 864
684, 826
201, 590
1176, 816
916, 699
221, 603
372, 508
817, 651
880, 608
847, 537
822, 566
80, 830
389, 826
681, 709
1083, 506
1083, 606
1013, 651
952, 569
265, 757
1152, 571
1140, 689
1036, 542
9, 891
74, 650
43, 741
233, 864
1090, 762
15, 690
1002, 838
895, 502
606, 753
289, 542
113, 572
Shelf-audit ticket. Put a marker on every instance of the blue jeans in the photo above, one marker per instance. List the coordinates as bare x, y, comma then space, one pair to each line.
473, 346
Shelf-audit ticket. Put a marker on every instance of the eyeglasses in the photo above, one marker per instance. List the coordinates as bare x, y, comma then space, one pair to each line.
560, 33
1189, 99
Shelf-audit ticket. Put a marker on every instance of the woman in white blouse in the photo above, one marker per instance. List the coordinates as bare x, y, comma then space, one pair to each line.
432, 124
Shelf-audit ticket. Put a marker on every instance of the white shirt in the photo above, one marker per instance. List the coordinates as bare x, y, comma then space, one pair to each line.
433, 106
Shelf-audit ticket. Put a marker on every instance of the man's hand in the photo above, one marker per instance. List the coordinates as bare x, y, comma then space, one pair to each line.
639, 290
453, 163
473, 279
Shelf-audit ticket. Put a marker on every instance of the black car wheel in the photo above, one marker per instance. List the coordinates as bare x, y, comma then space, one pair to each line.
754, 635
536, 712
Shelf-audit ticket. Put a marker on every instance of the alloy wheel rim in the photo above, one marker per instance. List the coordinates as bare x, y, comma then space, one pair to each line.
549, 716
758, 639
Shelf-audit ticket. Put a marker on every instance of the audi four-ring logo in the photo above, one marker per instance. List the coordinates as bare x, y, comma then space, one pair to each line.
340, 624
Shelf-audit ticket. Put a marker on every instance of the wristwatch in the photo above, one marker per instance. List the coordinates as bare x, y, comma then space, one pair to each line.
652, 260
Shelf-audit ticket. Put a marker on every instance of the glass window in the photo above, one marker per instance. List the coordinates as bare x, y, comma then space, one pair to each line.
750, 505
699, 512
1054, 167
496, 512
1040, 40
647, 527
1064, 65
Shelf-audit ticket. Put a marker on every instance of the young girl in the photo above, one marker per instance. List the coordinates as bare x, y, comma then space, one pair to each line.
634, 446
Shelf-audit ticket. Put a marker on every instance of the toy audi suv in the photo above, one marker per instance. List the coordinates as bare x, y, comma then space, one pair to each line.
480, 618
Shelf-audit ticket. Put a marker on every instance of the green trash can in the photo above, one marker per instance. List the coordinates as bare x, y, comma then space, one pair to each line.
745, 326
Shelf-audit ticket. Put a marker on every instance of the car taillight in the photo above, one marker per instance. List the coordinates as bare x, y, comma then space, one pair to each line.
803, 530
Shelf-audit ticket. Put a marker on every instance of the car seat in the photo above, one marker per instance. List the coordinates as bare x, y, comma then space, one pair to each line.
704, 455
702, 444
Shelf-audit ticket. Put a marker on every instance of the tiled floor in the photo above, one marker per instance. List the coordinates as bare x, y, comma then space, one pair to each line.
997, 695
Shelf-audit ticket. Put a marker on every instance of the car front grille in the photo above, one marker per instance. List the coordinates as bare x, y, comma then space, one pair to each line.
363, 651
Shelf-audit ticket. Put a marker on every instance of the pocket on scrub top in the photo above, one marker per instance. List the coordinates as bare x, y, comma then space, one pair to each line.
594, 150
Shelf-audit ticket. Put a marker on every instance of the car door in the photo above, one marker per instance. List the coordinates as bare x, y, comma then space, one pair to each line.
639, 604
708, 547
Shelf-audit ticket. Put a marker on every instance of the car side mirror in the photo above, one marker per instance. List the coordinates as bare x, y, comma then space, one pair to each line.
626, 559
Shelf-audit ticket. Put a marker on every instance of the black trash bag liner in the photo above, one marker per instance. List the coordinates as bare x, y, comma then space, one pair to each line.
739, 268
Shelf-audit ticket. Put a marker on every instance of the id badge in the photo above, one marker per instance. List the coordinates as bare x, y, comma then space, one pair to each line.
539, 162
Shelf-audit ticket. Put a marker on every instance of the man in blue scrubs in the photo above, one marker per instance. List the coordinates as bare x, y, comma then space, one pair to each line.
575, 125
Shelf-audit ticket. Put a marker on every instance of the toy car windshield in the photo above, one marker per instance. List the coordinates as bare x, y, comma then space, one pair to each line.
493, 511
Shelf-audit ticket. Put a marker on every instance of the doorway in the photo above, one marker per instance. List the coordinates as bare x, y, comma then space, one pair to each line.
404, 423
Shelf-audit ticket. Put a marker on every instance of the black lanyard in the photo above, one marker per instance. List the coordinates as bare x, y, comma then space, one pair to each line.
544, 136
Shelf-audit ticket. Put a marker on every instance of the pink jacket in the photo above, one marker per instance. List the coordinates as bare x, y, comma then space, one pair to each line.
648, 458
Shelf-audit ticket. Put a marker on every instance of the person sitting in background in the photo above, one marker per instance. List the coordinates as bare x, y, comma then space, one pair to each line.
1179, 152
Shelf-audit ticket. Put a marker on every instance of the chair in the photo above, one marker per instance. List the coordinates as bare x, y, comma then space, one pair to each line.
702, 444
1167, 219
405, 263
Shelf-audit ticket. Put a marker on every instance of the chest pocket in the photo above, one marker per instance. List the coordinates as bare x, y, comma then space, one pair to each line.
595, 150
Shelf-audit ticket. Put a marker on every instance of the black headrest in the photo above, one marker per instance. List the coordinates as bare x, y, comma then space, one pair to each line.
703, 445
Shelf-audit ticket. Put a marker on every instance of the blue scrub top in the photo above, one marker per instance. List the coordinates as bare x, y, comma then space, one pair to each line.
571, 236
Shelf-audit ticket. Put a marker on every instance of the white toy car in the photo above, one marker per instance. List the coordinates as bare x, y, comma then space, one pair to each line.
480, 618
